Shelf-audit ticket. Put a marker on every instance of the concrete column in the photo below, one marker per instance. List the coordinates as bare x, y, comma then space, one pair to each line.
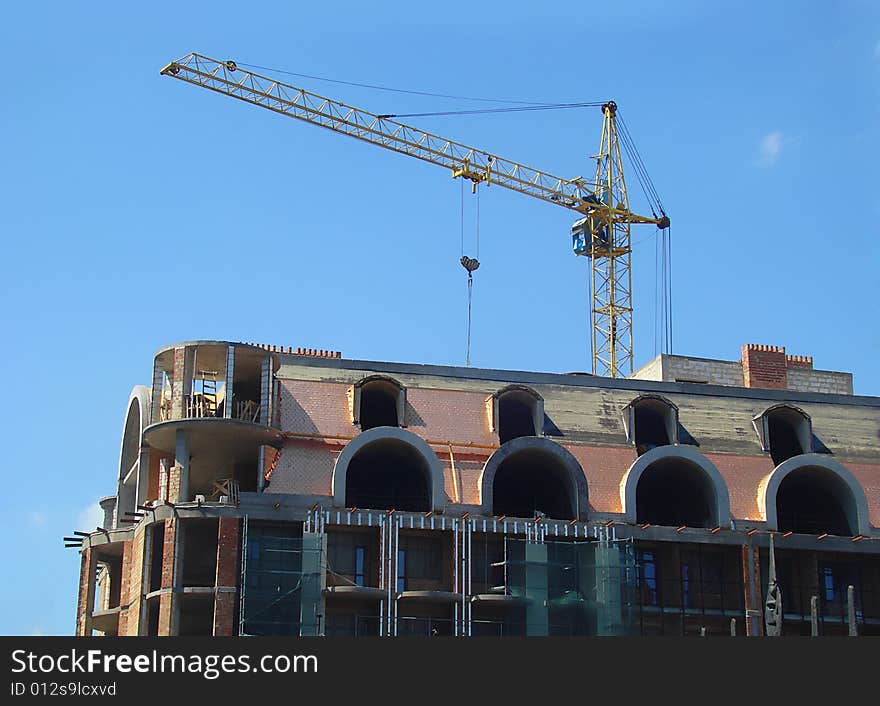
851, 611
181, 467
177, 383
230, 373
156, 393
261, 469
537, 590
86, 599
168, 599
752, 590
227, 576
143, 475
314, 577
265, 390
108, 505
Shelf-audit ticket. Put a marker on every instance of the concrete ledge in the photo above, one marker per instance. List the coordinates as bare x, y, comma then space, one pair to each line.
356, 592
498, 599
429, 596
106, 620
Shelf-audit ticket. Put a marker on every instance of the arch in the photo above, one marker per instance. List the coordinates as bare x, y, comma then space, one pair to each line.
570, 476
516, 411
391, 436
132, 485
689, 458
785, 431
829, 476
651, 421
378, 400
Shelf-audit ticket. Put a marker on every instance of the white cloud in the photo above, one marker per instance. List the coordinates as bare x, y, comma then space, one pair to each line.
89, 518
770, 148
38, 519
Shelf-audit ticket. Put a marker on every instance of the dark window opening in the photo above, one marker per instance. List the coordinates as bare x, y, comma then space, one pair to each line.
651, 426
157, 550
196, 615
487, 564
401, 570
379, 405
388, 475
672, 492
516, 416
153, 617
350, 560
647, 576
809, 502
420, 564
784, 429
245, 475
532, 482
199, 552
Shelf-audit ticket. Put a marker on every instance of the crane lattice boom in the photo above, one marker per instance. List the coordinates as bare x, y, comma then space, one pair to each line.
599, 201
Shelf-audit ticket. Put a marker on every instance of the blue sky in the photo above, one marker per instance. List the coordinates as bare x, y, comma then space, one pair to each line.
138, 211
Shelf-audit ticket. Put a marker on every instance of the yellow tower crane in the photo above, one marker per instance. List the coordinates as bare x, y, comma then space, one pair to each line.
602, 233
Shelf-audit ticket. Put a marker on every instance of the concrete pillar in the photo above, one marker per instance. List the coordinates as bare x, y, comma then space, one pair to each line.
227, 576
177, 380
752, 590
265, 390
143, 475
851, 611
156, 393
86, 598
814, 616
537, 590
314, 574
108, 505
228, 412
181, 468
168, 599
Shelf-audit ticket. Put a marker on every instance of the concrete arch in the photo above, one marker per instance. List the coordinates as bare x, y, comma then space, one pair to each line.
132, 486
630, 481
851, 494
378, 380
379, 434
577, 481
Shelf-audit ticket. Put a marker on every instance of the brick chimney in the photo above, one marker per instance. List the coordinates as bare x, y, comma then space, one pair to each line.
766, 366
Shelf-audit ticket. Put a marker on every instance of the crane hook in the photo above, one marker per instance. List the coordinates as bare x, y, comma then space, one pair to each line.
470, 264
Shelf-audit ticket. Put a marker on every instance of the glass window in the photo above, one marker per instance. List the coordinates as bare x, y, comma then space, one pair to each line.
401, 570
359, 555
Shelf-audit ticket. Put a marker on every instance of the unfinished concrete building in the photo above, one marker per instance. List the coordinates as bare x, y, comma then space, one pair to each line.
270, 491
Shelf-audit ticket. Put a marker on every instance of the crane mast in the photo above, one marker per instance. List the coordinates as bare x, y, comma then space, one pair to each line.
602, 234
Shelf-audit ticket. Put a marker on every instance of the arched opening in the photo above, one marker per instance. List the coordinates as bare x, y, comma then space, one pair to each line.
674, 491
516, 417
787, 432
815, 501
653, 422
380, 403
388, 474
531, 482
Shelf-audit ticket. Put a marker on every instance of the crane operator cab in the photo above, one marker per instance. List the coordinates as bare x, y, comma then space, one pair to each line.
589, 232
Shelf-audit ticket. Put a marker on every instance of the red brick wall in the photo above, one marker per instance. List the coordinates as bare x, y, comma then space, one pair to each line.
166, 600
764, 366
868, 475
743, 475
86, 595
227, 575
604, 467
